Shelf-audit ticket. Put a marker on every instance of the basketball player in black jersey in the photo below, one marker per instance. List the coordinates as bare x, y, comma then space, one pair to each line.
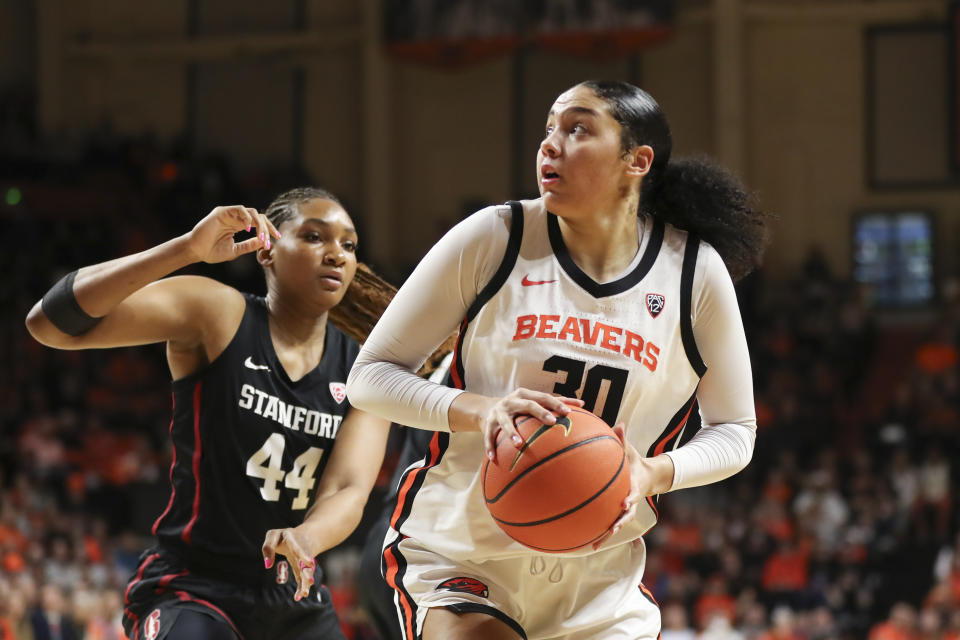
258, 488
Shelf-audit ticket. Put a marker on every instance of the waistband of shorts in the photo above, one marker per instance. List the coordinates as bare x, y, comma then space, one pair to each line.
242, 570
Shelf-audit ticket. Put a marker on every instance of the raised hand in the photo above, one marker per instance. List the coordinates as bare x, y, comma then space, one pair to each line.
211, 240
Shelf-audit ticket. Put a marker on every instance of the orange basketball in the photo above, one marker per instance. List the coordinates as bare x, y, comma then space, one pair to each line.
563, 488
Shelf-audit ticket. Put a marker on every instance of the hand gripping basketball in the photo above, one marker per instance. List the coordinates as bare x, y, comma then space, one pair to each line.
648, 477
521, 403
564, 488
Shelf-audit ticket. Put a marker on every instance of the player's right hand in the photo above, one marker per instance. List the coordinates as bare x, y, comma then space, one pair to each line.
502, 415
211, 240
290, 544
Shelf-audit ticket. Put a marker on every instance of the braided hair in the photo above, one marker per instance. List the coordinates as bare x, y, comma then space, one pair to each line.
284, 206
693, 194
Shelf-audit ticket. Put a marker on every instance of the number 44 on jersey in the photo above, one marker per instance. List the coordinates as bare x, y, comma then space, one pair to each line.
265, 464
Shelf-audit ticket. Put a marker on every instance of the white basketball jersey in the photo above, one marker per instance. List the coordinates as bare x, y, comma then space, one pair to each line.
625, 348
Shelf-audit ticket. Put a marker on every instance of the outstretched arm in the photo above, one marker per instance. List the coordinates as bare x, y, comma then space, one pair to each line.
344, 487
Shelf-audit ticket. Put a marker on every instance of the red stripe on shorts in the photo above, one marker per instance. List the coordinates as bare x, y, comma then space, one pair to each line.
126, 594
406, 608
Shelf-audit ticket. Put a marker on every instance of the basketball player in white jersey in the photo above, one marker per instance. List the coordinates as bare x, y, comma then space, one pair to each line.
570, 299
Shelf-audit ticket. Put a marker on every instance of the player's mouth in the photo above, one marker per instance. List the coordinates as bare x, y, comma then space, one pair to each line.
548, 175
331, 280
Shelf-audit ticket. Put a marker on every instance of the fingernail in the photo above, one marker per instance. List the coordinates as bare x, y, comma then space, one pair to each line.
297, 597
262, 237
564, 409
517, 440
490, 455
615, 529
268, 243
550, 419
279, 235
267, 563
249, 227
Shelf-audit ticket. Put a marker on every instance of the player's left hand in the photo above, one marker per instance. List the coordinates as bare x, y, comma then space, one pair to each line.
291, 544
648, 476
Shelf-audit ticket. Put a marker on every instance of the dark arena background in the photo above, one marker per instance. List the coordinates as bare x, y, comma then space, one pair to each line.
122, 123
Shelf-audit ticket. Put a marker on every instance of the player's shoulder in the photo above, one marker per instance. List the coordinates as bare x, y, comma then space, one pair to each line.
490, 225
504, 212
678, 239
532, 208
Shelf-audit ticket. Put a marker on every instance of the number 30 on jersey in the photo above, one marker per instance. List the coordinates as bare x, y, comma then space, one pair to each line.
300, 478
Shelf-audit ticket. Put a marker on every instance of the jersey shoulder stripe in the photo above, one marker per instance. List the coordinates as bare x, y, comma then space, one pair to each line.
506, 265
490, 289
686, 304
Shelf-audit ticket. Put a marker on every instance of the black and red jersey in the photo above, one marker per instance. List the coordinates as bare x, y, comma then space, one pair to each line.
250, 445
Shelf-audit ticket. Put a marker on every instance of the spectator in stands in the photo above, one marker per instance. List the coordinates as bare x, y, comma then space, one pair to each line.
713, 601
900, 625
785, 573
934, 505
675, 622
14, 615
50, 620
719, 628
782, 626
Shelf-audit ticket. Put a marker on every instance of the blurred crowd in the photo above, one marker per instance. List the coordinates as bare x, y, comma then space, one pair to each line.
843, 526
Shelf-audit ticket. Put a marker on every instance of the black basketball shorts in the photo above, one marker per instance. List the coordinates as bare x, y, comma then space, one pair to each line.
163, 586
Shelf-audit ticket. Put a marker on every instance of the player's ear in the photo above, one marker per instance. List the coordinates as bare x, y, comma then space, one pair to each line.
265, 257
641, 159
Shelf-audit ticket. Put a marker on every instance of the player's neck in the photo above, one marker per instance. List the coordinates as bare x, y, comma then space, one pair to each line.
295, 325
603, 244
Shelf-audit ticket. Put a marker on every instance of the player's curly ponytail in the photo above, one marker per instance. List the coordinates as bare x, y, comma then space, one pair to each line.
694, 194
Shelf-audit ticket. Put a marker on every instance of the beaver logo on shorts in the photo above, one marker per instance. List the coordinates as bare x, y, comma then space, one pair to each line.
655, 303
283, 573
151, 626
465, 585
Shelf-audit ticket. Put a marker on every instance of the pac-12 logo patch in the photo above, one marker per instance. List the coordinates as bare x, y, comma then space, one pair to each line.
655, 304
339, 391
283, 572
151, 626
465, 585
